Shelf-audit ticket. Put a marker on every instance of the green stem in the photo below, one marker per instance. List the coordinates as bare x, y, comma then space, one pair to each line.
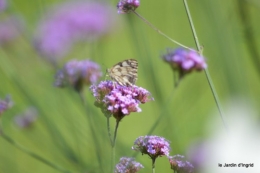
153, 165
215, 95
115, 133
159, 31
37, 157
109, 132
111, 142
114, 147
113, 154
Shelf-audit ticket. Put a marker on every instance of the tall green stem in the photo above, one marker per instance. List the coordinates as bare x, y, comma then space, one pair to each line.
215, 95
112, 148
113, 154
108, 131
153, 165
115, 133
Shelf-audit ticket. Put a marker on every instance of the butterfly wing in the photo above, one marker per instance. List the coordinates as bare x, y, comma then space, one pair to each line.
125, 72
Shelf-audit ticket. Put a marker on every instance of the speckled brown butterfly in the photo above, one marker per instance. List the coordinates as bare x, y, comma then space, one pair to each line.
124, 72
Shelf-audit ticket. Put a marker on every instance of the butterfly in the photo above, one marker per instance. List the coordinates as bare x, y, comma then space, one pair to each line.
124, 72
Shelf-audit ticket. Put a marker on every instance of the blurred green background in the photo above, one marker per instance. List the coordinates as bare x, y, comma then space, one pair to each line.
229, 32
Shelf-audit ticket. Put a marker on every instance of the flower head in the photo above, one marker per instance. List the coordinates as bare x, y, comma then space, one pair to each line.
197, 154
118, 100
2, 5
184, 61
27, 118
179, 165
154, 146
128, 165
127, 6
5, 104
76, 73
70, 23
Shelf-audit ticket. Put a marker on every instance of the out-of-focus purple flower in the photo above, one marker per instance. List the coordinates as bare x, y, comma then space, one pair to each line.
10, 29
197, 154
153, 146
114, 99
72, 22
179, 165
5, 104
184, 61
3, 5
127, 6
128, 165
27, 118
78, 73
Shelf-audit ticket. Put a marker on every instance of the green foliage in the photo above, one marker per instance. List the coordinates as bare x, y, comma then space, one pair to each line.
62, 134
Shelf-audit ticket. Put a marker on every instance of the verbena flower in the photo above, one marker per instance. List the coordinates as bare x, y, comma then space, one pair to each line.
127, 165
3, 5
114, 99
5, 104
197, 154
127, 6
153, 146
10, 29
179, 165
27, 118
72, 22
184, 61
77, 74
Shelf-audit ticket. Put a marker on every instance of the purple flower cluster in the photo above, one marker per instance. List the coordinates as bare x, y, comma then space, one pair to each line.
10, 29
184, 61
179, 165
5, 104
27, 118
127, 6
198, 154
2, 5
154, 146
117, 100
128, 165
72, 22
77, 73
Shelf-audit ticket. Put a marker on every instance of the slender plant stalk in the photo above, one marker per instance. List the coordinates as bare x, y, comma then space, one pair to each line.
109, 132
30, 153
153, 165
112, 158
159, 31
115, 133
215, 95
114, 146
111, 142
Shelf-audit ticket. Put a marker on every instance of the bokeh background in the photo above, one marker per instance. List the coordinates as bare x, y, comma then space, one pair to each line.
228, 30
